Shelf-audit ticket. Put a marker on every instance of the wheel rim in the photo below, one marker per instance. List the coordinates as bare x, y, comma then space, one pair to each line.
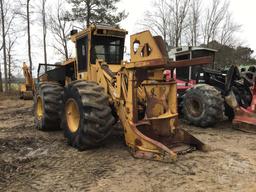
72, 115
39, 108
194, 107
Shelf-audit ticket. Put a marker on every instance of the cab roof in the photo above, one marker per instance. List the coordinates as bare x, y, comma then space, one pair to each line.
101, 30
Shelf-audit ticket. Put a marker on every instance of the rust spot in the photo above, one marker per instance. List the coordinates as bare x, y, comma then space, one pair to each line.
127, 110
138, 142
192, 62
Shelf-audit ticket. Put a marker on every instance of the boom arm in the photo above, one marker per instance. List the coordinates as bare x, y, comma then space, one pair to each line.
27, 75
29, 82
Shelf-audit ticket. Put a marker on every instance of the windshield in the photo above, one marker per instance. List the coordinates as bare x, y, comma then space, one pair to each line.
109, 49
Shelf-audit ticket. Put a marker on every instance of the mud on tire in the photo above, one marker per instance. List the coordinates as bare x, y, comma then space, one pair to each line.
47, 105
203, 105
86, 119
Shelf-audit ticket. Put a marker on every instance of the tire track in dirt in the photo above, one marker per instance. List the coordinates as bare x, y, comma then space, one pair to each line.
31, 160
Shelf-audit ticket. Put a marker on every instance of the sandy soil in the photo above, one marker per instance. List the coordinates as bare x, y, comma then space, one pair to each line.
31, 160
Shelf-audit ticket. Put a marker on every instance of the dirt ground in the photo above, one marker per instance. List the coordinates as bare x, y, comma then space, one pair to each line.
31, 160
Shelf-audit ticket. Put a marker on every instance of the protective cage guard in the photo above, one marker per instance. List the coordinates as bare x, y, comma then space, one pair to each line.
45, 66
56, 72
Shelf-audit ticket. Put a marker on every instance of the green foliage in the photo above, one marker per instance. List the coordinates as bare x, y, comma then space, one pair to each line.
96, 11
227, 56
14, 87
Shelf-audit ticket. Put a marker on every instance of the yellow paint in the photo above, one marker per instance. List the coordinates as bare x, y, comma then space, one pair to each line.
29, 86
72, 115
22, 88
139, 43
39, 108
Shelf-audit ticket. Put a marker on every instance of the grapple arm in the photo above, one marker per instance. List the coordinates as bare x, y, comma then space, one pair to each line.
147, 104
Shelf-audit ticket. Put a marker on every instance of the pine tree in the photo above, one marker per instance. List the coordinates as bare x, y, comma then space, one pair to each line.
96, 11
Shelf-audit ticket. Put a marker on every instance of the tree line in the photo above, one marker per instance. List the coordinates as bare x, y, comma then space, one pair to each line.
199, 23
179, 22
191, 22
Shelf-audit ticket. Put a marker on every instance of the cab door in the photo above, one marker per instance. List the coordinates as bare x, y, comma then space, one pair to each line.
82, 54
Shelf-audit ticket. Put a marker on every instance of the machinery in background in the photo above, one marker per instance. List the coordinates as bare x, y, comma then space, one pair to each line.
243, 100
26, 90
207, 94
85, 96
200, 103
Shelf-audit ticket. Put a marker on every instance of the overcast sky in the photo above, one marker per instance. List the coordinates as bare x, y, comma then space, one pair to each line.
244, 13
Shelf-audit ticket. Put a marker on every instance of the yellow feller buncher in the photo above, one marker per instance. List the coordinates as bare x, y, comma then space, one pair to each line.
26, 89
85, 96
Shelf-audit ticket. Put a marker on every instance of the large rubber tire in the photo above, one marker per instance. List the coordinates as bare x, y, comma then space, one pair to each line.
47, 106
203, 105
95, 120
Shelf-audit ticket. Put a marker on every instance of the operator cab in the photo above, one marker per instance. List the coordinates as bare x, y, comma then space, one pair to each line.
98, 42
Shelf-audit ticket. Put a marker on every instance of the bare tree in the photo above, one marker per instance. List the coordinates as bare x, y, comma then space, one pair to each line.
24, 11
168, 20
194, 22
184, 21
158, 19
29, 35
4, 43
228, 30
60, 29
44, 32
9, 48
214, 17
8, 15
179, 10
